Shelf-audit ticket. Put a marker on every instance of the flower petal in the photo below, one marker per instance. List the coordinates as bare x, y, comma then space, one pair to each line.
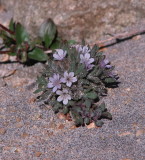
54, 76
60, 53
58, 92
68, 97
69, 83
54, 89
65, 101
65, 74
64, 53
56, 56
85, 50
51, 79
87, 56
74, 79
63, 80
81, 56
90, 66
108, 66
57, 76
58, 86
71, 74
65, 91
106, 61
50, 85
60, 98
91, 60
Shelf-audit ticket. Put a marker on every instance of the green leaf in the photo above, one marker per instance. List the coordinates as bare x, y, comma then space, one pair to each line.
99, 123
71, 42
99, 54
81, 71
45, 95
102, 107
12, 25
56, 109
48, 32
41, 80
21, 34
91, 95
37, 91
88, 103
98, 73
87, 121
94, 50
106, 115
38, 55
79, 121
93, 79
71, 103
65, 110
55, 45
110, 80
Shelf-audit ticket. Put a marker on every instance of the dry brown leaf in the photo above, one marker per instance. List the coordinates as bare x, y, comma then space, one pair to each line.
61, 116
91, 125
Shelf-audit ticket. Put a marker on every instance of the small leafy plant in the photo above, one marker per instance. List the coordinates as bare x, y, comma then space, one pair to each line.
74, 80
76, 76
15, 41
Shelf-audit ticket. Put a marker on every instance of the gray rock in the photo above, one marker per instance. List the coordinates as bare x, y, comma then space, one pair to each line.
79, 19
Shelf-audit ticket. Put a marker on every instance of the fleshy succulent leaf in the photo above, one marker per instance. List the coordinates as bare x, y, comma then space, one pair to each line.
87, 120
99, 123
102, 107
106, 115
91, 95
110, 80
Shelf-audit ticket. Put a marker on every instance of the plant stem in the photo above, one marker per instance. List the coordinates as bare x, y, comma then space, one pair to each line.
6, 29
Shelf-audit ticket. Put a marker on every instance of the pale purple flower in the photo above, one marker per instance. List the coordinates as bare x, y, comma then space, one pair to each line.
54, 82
59, 54
63, 96
87, 61
78, 47
85, 49
90, 67
105, 64
82, 49
69, 78
113, 75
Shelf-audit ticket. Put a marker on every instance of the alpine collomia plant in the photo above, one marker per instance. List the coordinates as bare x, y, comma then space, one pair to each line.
73, 82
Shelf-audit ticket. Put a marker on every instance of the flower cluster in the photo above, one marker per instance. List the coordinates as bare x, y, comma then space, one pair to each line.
81, 49
56, 81
85, 57
75, 80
